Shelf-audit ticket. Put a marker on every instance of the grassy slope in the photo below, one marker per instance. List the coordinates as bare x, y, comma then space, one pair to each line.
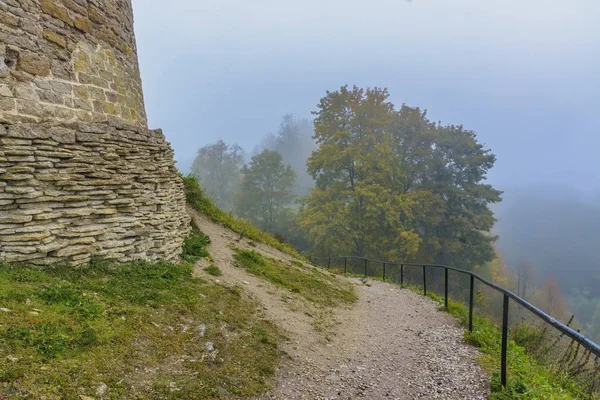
143, 329
147, 330
196, 198
527, 379
314, 285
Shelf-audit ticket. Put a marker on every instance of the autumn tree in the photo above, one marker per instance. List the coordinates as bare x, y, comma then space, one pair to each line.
217, 167
551, 299
295, 144
266, 191
356, 207
390, 183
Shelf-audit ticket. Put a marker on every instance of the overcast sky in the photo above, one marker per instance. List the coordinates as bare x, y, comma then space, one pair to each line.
524, 74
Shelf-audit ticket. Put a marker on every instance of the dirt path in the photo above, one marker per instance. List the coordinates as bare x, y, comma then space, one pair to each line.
393, 344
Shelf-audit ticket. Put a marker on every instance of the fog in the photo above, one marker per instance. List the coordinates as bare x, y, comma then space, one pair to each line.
524, 75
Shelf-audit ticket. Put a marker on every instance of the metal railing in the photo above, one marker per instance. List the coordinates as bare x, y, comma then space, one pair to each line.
582, 340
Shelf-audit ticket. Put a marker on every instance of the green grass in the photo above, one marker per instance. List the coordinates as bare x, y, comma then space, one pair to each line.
213, 270
194, 246
527, 378
141, 328
200, 202
314, 285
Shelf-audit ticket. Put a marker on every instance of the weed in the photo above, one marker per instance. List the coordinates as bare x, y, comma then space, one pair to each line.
194, 246
213, 270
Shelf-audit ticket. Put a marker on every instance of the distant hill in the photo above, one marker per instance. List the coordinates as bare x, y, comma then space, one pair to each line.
555, 230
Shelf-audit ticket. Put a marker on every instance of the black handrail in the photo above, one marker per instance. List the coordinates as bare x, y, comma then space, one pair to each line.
583, 340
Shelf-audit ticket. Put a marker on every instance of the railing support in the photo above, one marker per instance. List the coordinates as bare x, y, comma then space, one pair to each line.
401, 274
471, 299
345, 265
366, 261
446, 288
329, 263
384, 265
424, 280
504, 341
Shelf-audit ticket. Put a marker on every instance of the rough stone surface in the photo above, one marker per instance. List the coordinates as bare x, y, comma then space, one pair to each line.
77, 58
69, 192
81, 175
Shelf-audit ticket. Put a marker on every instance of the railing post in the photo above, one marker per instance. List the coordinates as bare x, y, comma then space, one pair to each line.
504, 341
471, 303
345, 265
424, 280
384, 265
401, 274
329, 263
366, 267
446, 288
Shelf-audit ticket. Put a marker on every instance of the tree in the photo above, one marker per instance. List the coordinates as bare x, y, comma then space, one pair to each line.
295, 144
390, 183
524, 276
266, 191
217, 166
447, 167
551, 298
356, 208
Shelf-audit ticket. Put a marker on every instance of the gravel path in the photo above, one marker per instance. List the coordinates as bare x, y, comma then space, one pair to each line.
392, 344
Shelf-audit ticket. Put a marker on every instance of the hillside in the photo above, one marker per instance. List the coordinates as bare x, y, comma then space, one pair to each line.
236, 318
388, 342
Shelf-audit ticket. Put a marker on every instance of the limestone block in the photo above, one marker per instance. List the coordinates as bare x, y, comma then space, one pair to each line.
79, 197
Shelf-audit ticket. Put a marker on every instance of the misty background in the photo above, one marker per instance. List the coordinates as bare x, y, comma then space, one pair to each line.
523, 75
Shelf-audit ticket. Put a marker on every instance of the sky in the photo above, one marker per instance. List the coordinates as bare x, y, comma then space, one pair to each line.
525, 75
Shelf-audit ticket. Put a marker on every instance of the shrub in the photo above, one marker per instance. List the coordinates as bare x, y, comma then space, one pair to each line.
213, 270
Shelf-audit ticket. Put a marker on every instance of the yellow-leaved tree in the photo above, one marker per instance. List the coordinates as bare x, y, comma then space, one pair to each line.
391, 184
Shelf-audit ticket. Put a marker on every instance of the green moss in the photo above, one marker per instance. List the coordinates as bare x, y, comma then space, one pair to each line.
311, 283
196, 198
140, 328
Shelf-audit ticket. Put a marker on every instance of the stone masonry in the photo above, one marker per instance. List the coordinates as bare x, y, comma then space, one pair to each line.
69, 60
81, 175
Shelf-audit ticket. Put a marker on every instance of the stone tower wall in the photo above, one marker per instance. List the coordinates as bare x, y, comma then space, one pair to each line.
69, 60
81, 176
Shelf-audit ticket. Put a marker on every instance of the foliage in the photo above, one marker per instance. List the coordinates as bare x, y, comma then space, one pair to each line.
295, 144
141, 328
527, 378
194, 247
391, 184
218, 166
266, 191
200, 202
551, 300
213, 270
309, 282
